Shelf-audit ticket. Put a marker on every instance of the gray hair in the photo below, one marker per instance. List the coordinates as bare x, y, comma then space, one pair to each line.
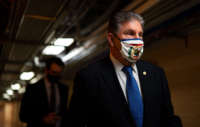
121, 17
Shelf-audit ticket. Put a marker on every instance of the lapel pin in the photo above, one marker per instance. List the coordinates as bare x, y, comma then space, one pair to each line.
144, 73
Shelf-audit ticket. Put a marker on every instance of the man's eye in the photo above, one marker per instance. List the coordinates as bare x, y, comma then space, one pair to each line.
129, 33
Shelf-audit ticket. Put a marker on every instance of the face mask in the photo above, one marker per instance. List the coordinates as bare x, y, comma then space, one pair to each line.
53, 79
132, 49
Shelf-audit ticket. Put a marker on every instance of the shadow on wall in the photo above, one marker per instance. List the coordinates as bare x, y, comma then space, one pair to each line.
182, 67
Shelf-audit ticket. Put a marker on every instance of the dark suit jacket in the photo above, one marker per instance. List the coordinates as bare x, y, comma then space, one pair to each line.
98, 100
34, 105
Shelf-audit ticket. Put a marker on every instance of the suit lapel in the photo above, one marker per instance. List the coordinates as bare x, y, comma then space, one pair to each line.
43, 92
112, 83
142, 73
63, 93
145, 77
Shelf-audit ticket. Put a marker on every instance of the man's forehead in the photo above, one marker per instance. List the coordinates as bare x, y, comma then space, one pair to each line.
132, 25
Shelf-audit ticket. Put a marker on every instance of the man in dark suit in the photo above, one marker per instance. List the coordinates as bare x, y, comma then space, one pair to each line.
44, 103
121, 90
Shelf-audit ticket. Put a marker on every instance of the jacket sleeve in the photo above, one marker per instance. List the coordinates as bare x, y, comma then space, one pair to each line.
78, 106
28, 112
168, 117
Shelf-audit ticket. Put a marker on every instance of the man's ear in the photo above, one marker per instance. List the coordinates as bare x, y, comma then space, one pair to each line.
110, 39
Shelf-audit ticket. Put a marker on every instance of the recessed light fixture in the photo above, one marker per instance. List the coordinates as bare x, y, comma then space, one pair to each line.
6, 96
21, 90
72, 53
27, 75
36, 79
15, 86
9, 92
53, 50
64, 41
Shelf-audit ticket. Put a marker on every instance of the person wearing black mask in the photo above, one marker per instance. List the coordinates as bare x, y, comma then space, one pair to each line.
44, 103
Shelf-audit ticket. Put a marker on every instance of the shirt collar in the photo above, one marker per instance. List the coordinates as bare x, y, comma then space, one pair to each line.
47, 83
118, 66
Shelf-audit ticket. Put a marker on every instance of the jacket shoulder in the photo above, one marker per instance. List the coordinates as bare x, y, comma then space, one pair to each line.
149, 66
94, 67
37, 84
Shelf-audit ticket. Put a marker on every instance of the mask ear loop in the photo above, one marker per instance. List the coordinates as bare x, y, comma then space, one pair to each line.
116, 36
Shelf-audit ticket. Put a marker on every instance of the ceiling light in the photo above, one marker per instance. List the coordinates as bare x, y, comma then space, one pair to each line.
6, 96
36, 79
15, 86
64, 41
72, 53
53, 50
37, 62
21, 90
9, 92
27, 75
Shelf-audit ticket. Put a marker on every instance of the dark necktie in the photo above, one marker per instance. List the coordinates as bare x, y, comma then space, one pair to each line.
134, 97
52, 103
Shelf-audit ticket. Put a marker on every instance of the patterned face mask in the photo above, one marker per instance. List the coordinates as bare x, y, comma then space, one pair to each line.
132, 49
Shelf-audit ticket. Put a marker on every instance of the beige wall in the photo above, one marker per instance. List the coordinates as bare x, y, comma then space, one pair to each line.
9, 114
182, 67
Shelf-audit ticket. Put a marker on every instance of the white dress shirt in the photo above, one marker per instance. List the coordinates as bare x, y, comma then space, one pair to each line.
48, 89
121, 75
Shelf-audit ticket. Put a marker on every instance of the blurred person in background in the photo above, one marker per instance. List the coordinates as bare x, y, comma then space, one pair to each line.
44, 103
